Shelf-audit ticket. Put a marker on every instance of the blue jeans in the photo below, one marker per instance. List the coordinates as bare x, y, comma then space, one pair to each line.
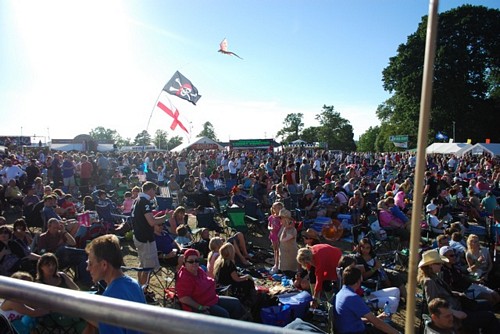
228, 307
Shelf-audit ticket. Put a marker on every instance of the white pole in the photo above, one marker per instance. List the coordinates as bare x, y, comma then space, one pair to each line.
423, 128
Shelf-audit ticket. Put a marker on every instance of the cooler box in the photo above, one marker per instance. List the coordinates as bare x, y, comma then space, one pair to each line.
279, 315
298, 302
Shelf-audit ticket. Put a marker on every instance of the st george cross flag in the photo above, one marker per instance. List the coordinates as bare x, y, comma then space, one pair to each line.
181, 87
172, 111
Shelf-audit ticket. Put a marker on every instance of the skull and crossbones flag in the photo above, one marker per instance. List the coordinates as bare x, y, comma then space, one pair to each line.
181, 87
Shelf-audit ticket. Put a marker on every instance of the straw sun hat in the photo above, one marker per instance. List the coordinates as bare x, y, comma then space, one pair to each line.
430, 257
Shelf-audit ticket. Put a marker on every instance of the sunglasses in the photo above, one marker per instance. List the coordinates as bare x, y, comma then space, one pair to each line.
193, 261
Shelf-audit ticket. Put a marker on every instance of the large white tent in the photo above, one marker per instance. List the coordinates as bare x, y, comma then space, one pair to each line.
479, 148
448, 148
199, 143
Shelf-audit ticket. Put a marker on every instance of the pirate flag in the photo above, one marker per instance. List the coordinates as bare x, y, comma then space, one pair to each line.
181, 87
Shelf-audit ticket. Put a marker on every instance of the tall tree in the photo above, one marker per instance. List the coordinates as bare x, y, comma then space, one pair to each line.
160, 139
101, 133
174, 142
292, 125
208, 131
367, 140
310, 134
466, 88
142, 139
334, 130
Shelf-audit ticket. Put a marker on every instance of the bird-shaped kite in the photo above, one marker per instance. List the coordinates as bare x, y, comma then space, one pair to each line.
223, 49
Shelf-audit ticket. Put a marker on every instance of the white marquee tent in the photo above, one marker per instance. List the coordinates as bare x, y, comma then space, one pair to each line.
448, 148
199, 143
479, 148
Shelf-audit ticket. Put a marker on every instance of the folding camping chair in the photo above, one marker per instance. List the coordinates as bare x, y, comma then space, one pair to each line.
236, 219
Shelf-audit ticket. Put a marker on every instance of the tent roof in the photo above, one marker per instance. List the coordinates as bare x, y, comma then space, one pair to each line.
199, 143
493, 149
447, 148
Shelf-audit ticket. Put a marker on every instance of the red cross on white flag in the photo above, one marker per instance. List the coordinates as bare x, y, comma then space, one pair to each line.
174, 113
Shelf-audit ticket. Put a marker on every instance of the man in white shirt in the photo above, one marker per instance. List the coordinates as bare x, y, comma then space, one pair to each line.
10, 172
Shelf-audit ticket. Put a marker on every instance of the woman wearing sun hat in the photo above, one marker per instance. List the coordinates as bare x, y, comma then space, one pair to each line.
434, 286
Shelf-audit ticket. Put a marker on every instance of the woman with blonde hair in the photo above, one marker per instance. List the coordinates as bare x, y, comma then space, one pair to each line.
226, 273
214, 245
478, 258
434, 286
176, 219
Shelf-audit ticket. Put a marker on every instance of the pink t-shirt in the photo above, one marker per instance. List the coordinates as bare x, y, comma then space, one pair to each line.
128, 203
200, 288
274, 224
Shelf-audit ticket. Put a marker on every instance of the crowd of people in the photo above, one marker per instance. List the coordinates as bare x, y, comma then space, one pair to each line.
283, 188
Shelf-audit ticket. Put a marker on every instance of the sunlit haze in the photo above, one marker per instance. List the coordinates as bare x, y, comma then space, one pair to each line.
70, 66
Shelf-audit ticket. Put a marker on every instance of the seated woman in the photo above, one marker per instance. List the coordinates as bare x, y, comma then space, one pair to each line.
470, 314
197, 291
478, 258
14, 311
48, 273
225, 273
453, 275
390, 222
13, 254
371, 268
215, 244
178, 217
21, 233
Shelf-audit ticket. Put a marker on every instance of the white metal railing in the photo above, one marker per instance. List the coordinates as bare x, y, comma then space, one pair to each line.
142, 317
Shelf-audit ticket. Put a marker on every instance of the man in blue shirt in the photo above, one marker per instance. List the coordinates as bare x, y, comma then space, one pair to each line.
104, 263
350, 310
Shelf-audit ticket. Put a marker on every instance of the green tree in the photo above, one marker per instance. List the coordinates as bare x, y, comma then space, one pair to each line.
101, 133
292, 125
142, 139
160, 139
367, 140
334, 130
123, 142
174, 142
466, 88
310, 134
208, 131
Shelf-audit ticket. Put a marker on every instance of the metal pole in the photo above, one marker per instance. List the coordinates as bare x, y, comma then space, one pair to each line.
423, 128
454, 132
141, 317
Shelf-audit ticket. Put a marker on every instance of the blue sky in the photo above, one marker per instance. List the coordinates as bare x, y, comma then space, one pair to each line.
70, 66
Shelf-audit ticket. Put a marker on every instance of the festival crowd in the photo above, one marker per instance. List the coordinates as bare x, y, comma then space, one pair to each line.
300, 199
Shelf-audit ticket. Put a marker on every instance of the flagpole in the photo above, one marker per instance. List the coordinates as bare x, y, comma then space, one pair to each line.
423, 128
154, 107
